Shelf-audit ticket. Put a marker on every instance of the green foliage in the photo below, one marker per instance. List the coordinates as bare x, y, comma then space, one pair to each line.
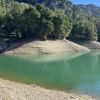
19, 8
46, 28
83, 30
32, 13
1, 14
45, 12
45, 24
28, 22
61, 26
22, 20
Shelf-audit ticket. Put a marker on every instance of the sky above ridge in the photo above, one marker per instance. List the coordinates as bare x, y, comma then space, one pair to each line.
96, 2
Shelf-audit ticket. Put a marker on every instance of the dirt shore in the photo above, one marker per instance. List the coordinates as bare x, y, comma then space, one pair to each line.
45, 47
91, 44
17, 91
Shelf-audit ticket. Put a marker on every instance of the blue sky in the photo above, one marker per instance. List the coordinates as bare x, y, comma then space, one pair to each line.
96, 2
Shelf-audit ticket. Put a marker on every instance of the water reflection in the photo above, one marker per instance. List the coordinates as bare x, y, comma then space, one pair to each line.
79, 71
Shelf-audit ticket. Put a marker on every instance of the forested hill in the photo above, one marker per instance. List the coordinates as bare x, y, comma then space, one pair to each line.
91, 10
68, 6
48, 19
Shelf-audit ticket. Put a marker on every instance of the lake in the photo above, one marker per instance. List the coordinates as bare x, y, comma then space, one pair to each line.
77, 71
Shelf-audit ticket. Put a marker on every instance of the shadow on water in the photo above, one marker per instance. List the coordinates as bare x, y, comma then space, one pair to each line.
78, 71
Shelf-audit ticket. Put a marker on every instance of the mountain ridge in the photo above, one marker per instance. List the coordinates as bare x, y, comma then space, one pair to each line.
68, 6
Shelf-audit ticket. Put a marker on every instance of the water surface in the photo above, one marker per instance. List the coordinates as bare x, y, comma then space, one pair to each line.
77, 71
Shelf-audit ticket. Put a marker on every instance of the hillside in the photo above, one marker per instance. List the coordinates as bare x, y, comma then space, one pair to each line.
90, 10
48, 19
68, 6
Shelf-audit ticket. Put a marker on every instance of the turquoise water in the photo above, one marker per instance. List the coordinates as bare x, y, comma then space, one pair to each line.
76, 71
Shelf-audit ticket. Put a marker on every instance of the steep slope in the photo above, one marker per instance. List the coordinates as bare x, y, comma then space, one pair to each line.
68, 6
90, 10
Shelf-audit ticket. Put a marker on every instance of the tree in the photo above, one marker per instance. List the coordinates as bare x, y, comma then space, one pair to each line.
46, 13
46, 28
61, 26
45, 24
1, 14
83, 30
28, 22
97, 21
19, 8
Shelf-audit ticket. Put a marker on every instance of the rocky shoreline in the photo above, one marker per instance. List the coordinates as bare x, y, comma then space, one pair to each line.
17, 91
